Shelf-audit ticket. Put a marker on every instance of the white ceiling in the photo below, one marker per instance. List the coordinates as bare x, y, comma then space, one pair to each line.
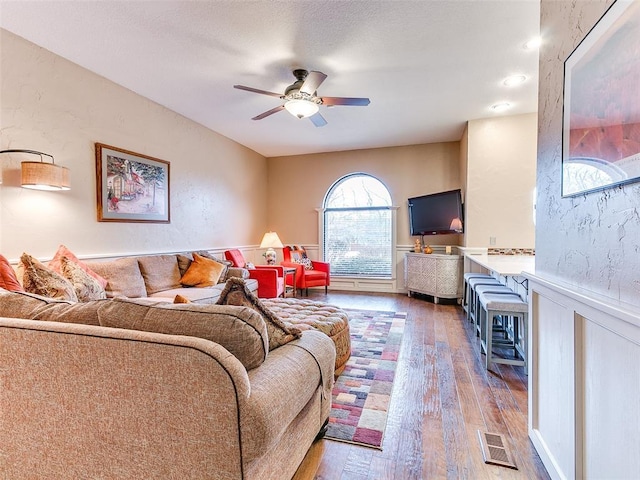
428, 66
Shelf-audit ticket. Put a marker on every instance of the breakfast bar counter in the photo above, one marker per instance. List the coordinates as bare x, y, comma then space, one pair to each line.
502, 265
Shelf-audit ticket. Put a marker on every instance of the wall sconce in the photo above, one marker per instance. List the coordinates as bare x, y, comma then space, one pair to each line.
42, 175
270, 241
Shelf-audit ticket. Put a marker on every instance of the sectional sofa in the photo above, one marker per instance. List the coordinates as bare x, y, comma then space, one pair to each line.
127, 388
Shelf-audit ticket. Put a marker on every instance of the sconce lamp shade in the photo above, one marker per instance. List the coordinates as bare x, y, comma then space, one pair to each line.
456, 224
42, 175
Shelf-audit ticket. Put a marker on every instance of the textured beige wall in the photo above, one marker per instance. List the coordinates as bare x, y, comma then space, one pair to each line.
298, 184
590, 240
500, 179
218, 188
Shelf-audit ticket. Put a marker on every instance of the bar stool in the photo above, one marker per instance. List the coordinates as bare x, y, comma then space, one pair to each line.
512, 309
465, 287
479, 290
471, 298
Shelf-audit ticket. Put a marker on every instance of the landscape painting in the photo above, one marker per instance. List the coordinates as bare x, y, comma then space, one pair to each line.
131, 187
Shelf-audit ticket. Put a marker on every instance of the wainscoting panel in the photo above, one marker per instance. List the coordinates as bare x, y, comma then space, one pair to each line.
611, 403
551, 382
584, 382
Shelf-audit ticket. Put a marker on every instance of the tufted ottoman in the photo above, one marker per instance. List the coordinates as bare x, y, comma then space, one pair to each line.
307, 314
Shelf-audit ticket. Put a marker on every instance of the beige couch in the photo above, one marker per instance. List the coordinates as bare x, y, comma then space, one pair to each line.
197, 397
158, 277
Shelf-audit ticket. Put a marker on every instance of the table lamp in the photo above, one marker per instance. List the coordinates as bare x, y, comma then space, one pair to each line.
270, 241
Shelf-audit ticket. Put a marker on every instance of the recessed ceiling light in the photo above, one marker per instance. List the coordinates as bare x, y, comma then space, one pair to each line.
514, 80
533, 43
501, 107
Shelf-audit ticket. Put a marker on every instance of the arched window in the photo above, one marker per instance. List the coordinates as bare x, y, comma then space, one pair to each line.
358, 227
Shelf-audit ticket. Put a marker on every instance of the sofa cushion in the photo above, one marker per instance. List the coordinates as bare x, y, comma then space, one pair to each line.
41, 280
56, 264
196, 295
236, 293
8, 279
86, 287
160, 272
203, 272
37, 307
123, 277
240, 330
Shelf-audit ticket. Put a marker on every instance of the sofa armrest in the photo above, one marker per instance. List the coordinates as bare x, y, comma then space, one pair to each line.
277, 268
238, 272
321, 266
165, 401
267, 282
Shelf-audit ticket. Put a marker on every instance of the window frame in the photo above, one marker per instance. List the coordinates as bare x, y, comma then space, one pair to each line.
322, 222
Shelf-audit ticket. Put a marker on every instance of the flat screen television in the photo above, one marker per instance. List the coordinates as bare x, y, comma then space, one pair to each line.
433, 214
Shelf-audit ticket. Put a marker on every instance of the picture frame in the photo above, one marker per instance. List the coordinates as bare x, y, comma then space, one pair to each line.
601, 104
131, 187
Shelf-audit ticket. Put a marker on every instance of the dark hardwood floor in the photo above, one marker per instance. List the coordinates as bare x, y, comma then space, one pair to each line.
442, 396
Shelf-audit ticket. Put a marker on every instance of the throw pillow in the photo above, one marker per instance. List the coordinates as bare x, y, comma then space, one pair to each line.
305, 262
181, 299
123, 277
86, 287
41, 280
241, 331
203, 272
8, 279
160, 272
56, 264
237, 293
184, 262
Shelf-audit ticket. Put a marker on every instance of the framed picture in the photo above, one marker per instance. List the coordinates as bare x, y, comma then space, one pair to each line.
601, 104
131, 187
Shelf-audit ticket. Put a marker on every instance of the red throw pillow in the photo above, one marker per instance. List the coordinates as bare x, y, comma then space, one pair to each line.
8, 279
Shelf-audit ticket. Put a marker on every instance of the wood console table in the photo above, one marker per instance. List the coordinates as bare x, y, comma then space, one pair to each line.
433, 274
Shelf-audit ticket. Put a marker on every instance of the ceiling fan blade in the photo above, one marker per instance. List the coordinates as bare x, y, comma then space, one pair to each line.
318, 120
268, 112
312, 82
256, 90
354, 102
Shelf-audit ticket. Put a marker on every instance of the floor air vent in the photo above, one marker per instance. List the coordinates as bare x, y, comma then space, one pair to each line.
495, 449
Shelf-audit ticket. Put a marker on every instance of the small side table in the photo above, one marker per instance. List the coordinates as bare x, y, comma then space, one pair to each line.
290, 271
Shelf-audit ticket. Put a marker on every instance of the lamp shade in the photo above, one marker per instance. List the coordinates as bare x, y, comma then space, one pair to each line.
456, 224
44, 176
301, 108
271, 240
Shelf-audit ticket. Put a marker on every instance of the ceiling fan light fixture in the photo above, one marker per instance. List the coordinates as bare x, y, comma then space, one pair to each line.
301, 108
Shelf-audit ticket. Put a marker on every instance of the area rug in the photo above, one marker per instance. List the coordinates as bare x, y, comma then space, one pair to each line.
362, 392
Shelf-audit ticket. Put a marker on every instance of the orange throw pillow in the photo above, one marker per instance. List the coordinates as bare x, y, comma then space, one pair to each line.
202, 272
8, 279
181, 299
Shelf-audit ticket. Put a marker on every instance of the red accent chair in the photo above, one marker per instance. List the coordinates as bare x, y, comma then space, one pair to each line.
270, 277
318, 276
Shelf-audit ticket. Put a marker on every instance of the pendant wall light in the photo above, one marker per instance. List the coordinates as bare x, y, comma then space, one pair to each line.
42, 175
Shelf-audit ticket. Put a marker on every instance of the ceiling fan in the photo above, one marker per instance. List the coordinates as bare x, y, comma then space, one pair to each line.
301, 99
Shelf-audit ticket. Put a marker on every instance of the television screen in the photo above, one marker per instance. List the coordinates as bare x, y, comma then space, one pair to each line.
435, 214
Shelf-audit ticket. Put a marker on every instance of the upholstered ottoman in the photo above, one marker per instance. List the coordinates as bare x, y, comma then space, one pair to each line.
307, 314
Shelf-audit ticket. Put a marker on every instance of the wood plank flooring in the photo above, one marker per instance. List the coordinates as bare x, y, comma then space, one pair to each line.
442, 395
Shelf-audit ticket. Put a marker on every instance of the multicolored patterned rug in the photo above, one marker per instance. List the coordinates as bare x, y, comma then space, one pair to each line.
362, 392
